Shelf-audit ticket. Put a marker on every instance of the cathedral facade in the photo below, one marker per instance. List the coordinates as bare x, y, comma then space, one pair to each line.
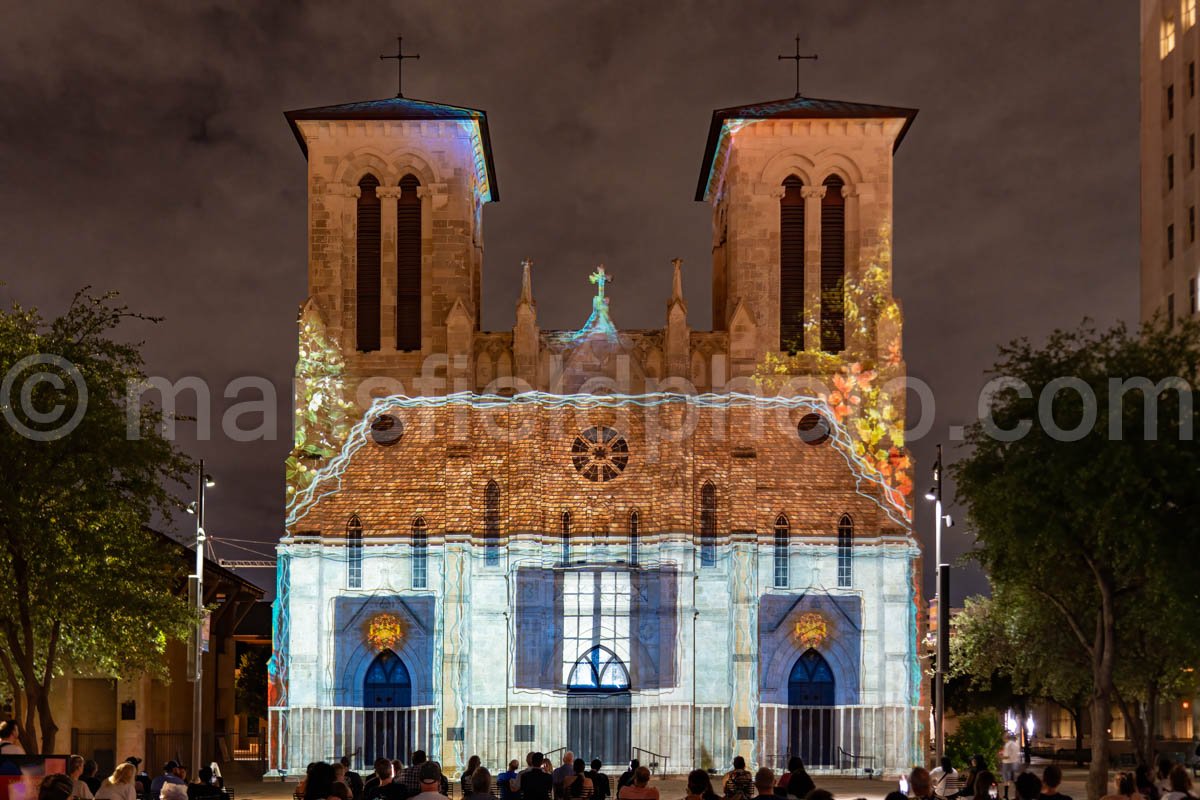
669, 544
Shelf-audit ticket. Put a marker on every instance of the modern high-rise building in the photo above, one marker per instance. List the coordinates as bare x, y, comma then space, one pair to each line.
1170, 190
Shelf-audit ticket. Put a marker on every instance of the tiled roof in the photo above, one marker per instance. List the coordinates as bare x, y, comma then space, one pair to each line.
399, 108
796, 108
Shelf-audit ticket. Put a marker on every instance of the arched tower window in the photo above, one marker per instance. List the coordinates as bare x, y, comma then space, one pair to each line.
782, 534
367, 266
354, 553
845, 552
491, 524
408, 265
565, 534
633, 538
833, 266
420, 554
708, 525
791, 266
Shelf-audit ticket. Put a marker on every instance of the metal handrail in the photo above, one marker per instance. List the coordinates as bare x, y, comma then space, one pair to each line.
653, 765
868, 770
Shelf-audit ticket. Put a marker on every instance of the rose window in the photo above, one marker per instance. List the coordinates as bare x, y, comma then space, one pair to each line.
600, 454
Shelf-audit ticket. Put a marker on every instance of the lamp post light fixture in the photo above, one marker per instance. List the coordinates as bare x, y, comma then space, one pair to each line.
942, 595
204, 481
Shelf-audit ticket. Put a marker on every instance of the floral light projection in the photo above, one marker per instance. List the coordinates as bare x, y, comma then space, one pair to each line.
811, 630
323, 414
855, 379
384, 632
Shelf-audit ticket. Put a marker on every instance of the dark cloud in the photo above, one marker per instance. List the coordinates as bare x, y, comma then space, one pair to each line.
143, 149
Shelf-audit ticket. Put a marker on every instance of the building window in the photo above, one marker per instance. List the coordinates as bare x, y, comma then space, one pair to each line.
1170, 242
845, 552
565, 534
1192, 299
367, 265
833, 267
782, 532
708, 525
1171, 309
1170, 172
1192, 224
420, 545
1189, 14
633, 538
791, 266
420, 554
408, 265
491, 524
1191, 151
1166, 42
354, 553
1171, 101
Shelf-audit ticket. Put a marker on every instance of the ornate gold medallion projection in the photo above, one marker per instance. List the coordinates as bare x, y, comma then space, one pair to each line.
600, 454
385, 631
811, 630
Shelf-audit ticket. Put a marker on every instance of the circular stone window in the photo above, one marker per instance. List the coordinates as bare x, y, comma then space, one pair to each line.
600, 454
813, 429
386, 430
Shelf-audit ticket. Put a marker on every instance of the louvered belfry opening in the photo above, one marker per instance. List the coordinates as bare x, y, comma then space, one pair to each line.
367, 275
833, 267
791, 266
408, 265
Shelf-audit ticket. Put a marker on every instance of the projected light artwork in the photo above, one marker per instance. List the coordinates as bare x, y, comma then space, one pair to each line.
692, 544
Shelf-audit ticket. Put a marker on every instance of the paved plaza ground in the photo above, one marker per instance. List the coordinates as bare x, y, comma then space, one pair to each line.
673, 788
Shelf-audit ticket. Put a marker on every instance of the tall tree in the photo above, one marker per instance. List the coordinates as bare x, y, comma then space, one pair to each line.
1015, 641
83, 581
1081, 488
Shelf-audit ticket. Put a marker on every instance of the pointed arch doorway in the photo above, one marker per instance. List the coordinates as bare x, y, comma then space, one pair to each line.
387, 696
599, 708
811, 728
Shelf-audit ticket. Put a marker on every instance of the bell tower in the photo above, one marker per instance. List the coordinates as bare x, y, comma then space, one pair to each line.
801, 198
396, 190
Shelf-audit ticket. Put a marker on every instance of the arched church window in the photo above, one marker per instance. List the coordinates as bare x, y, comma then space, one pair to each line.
633, 538
565, 534
833, 266
791, 266
845, 552
599, 670
782, 535
491, 524
408, 265
420, 554
367, 265
354, 553
708, 525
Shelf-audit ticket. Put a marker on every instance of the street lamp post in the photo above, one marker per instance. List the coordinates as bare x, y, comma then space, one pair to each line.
203, 482
942, 595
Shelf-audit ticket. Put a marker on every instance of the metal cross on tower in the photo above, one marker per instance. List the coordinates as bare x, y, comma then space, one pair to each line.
401, 55
798, 58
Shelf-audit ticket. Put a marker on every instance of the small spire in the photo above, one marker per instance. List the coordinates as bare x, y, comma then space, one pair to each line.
526, 283
677, 281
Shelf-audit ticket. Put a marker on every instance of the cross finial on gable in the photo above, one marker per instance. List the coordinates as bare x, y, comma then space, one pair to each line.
400, 56
798, 58
600, 278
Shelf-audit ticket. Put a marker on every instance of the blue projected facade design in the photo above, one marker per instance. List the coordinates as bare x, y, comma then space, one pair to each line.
601, 538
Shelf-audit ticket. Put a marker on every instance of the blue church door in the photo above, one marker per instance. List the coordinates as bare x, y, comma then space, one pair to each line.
812, 733
387, 696
599, 708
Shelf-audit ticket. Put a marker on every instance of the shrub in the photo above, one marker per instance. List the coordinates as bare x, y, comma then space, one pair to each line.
977, 733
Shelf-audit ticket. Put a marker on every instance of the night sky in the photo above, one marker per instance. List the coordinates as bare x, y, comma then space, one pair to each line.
143, 149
